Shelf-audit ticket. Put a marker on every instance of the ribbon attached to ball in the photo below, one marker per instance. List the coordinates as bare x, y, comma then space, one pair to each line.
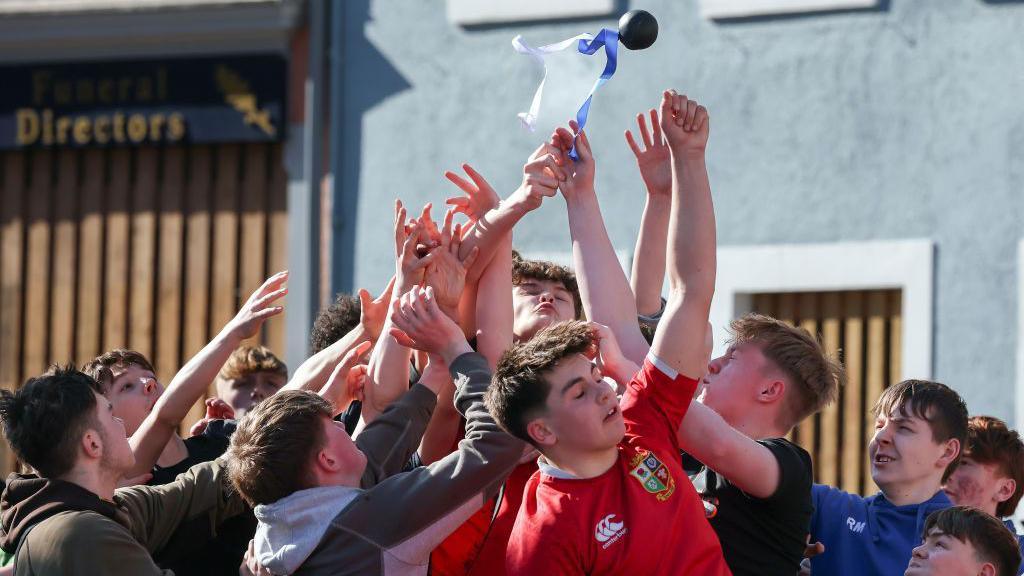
585, 44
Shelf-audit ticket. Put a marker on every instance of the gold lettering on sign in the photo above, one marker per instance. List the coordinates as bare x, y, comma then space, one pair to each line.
28, 126
102, 129
83, 130
175, 127
47, 127
63, 125
137, 128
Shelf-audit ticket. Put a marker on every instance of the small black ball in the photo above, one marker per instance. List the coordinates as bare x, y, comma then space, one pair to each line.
638, 29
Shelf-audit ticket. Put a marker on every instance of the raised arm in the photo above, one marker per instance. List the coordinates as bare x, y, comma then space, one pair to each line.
541, 176
655, 163
389, 361
679, 340
189, 384
607, 298
748, 465
313, 373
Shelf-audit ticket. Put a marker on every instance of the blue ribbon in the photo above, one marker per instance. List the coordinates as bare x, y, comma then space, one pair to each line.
610, 40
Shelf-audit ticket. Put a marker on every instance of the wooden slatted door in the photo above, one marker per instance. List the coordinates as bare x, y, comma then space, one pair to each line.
864, 329
150, 248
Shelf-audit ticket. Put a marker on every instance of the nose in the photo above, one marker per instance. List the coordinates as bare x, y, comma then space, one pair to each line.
148, 387
547, 297
920, 552
715, 366
257, 395
884, 434
605, 393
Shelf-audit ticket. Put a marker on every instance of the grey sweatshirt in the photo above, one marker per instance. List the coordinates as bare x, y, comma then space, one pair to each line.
392, 522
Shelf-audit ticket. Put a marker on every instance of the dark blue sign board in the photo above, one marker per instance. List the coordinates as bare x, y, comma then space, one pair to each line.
124, 103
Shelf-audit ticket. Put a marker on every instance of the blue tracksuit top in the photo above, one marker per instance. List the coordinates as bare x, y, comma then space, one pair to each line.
866, 536
1020, 541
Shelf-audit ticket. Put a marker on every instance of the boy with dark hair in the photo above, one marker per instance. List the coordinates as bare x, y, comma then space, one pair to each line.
69, 519
543, 293
990, 476
920, 427
964, 540
611, 496
328, 505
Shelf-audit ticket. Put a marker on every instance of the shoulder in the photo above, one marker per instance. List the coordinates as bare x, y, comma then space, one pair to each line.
831, 497
83, 531
793, 460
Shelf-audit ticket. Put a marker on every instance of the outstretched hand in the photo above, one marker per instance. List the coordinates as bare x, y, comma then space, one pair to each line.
542, 174
609, 356
579, 174
257, 308
654, 160
420, 324
480, 196
373, 312
346, 381
409, 243
685, 123
446, 273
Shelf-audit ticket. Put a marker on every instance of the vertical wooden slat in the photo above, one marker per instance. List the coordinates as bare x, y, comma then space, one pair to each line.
253, 203
89, 321
140, 324
62, 304
277, 242
11, 280
115, 309
197, 258
853, 412
874, 380
172, 230
807, 313
37, 269
828, 462
896, 336
224, 296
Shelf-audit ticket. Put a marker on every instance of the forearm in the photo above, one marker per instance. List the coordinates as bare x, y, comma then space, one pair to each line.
388, 374
606, 295
648, 273
314, 372
488, 232
494, 305
187, 386
747, 464
439, 437
691, 265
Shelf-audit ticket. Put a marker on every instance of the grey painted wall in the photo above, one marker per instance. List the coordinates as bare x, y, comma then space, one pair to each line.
901, 122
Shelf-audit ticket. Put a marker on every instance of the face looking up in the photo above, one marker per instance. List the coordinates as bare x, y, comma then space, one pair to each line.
582, 411
538, 304
133, 392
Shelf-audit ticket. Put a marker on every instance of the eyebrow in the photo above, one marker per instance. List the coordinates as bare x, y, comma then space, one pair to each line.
572, 383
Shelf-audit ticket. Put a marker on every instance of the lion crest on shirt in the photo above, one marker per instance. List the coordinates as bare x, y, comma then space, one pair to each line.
652, 474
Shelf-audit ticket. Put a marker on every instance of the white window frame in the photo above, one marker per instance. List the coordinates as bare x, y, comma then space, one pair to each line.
476, 12
907, 265
746, 8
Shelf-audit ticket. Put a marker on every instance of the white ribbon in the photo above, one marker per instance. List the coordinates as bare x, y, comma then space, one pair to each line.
529, 119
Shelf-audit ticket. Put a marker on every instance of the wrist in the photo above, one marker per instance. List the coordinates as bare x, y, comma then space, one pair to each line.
453, 349
688, 155
517, 203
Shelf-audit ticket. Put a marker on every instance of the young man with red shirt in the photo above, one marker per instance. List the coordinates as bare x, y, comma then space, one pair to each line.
611, 496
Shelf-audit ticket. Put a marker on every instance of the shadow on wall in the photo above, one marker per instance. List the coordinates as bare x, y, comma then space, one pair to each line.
881, 6
368, 78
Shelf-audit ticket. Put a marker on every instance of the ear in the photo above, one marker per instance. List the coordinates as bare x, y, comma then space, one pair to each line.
987, 569
92, 444
539, 431
771, 390
1007, 486
951, 449
327, 463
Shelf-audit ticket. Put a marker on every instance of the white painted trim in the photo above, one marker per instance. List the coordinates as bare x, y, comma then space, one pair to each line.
1020, 344
904, 264
470, 12
746, 8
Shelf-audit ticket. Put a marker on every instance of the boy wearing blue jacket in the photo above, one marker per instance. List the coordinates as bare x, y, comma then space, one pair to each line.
920, 427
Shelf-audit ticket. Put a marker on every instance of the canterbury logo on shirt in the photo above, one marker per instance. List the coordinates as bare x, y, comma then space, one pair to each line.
608, 531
